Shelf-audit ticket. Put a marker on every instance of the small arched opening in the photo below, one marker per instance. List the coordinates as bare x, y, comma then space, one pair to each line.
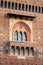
36, 8
32, 8
26, 7
23, 7
2, 3
27, 51
31, 51
16, 6
12, 50
17, 50
9, 4
39, 9
29, 7
12, 5
5, 5
22, 51
19, 6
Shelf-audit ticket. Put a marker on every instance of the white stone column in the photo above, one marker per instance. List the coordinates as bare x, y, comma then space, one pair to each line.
41, 10
28, 8
34, 8
21, 7
11, 5
24, 7
7, 4
37, 9
31, 8
3, 4
14, 5
25, 52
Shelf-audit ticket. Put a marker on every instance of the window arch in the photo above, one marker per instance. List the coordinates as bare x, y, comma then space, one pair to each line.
42, 9
24, 37
26, 7
29, 7
5, 4
32, 8
2, 3
36, 8
39, 9
22, 51
27, 50
12, 5
23, 7
19, 6
13, 49
16, 36
31, 51
16, 6
18, 50
9, 5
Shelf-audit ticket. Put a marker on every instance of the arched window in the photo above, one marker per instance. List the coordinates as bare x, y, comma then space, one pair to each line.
2, 3
24, 37
16, 6
9, 4
27, 51
42, 9
31, 51
26, 7
17, 50
22, 51
39, 9
12, 50
36, 9
19, 6
29, 7
32, 8
12, 5
20, 36
15, 36
23, 7
5, 4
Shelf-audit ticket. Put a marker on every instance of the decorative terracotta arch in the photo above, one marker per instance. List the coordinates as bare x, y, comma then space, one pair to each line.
24, 28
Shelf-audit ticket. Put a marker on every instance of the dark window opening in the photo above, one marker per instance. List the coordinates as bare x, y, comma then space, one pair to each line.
32, 8
23, 7
9, 5
19, 6
26, 7
10, 15
42, 9
18, 50
27, 50
29, 7
16, 6
39, 9
22, 50
5, 4
32, 51
2, 3
12, 5
13, 49
36, 9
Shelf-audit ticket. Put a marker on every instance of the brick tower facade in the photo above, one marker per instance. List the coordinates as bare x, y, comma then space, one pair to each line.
21, 32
